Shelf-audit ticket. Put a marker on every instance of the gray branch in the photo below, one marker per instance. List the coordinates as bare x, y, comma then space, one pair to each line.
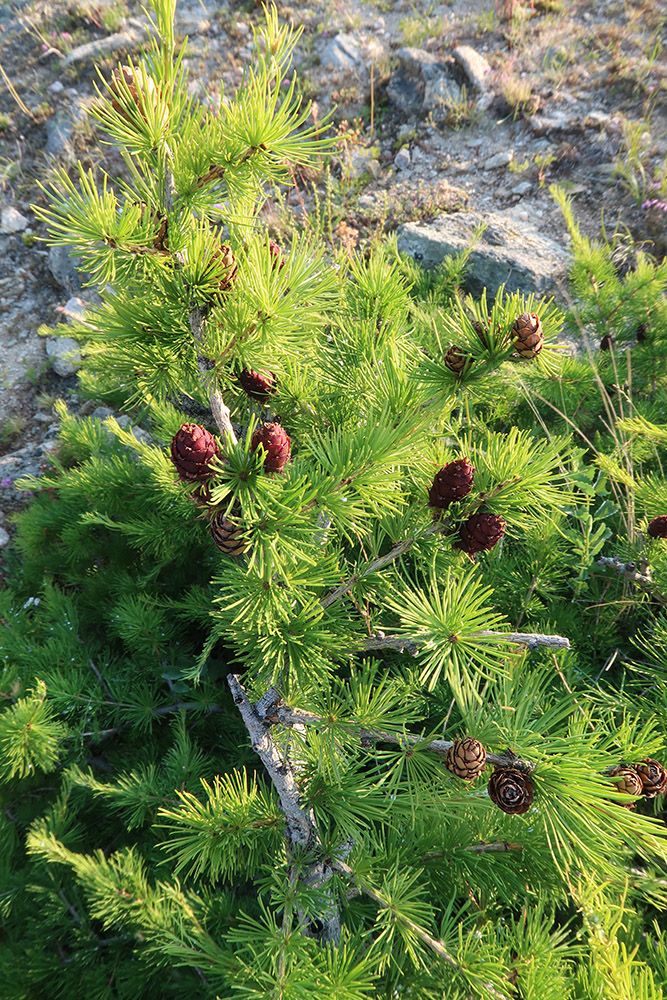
287, 716
640, 576
301, 827
410, 644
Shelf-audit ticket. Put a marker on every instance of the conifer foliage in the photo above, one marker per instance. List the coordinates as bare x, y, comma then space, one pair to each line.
318, 687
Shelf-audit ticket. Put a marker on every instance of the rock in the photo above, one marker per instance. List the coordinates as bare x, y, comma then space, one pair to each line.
500, 159
65, 355
440, 90
4, 538
406, 93
75, 308
341, 53
423, 82
60, 131
63, 268
402, 159
510, 251
11, 220
101, 47
56, 87
13, 465
558, 121
102, 412
474, 65
523, 187
361, 161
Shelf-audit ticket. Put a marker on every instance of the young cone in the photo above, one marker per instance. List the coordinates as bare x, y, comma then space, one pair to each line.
276, 444
658, 527
456, 359
453, 482
511, 790
225, 256
258, 385
480, 533
466, 758
192, 449
277, 254
529, 338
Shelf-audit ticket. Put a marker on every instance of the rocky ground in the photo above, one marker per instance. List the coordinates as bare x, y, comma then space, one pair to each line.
455, 113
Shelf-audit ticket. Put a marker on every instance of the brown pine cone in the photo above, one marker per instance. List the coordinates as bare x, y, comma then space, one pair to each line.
453, 482
480, 533
466, 758
528, 334
227, 534
658, 527
607, 342
123, 100
224, 256
653, 777
276, 444
192, 449
482, 331
456, 359
628, 782
511, 790
258, 385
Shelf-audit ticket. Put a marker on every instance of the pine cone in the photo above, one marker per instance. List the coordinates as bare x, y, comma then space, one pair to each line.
529, 338
277, 254
466, 758
276, 444
225, 256
192, 449
658, 527
629, 782
607, 342
453, 482
511, 790
122, 100
480, 533
653, 777
642, 333
482, 331
456, 359
227, 535
258, 385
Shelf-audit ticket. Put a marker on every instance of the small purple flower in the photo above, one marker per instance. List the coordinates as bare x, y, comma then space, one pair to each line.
6, 482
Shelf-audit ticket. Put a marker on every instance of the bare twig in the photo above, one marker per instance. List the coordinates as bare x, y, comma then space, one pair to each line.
105, 686
500, 847
398, 550
410, 644
219, 409
640, 576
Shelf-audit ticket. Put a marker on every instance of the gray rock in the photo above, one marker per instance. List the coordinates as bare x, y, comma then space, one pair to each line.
523, 187
474, 65
440, 91
64, 270
406, 93
24, 462
402, 159
60, 131
510, 251
101, 47
419, 63
75, 308
11, 220
557, 121
4, 538
341, 53
56, 87
65, 355
500, 159
102, 412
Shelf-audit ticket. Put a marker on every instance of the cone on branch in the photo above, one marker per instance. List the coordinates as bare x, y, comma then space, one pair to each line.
628, 782
456, 359
192, 448
480, 533
223, 256
258, 385
276, 444
511, 790
453, 482
483, 332
466, 758
227, 534
278, 258
653, 777
126, 87
528, 335
658, 527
